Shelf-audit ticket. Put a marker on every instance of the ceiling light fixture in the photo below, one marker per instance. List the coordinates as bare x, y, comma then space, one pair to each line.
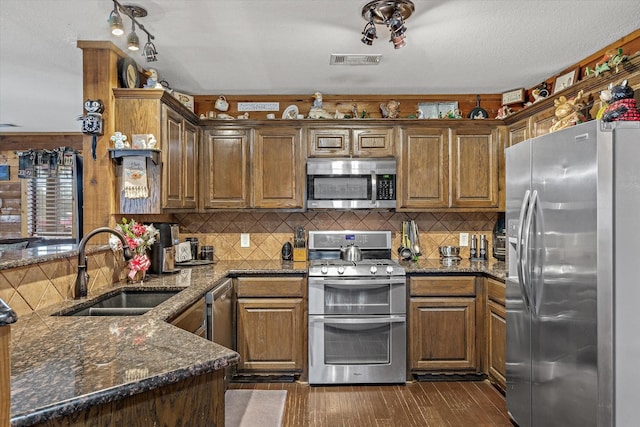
393, 14
133, 42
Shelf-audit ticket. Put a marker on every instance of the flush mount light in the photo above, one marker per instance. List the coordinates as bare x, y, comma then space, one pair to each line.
393, 14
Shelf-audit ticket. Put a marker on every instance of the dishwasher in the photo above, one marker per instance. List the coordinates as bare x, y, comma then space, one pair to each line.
220, 319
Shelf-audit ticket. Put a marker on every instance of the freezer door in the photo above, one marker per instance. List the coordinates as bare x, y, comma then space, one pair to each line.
563, 266
518, 357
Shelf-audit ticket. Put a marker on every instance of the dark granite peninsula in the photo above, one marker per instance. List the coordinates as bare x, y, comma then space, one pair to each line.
108, 370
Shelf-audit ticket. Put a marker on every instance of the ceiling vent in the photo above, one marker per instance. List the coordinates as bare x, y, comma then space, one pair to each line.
353, 59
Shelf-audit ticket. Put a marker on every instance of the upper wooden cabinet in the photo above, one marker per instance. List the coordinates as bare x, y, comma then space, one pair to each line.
155, 111
278, 168
253, 168
370, 141
179, 158
444, 168
225, 168
474, 167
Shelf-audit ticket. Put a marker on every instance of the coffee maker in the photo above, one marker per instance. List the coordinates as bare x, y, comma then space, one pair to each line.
163, 250
499, 238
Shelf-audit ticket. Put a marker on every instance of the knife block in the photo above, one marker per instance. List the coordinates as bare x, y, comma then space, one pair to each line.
299, 254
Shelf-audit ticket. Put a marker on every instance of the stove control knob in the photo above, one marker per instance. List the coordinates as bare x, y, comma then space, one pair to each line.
373, 269
389, 269
341, 270
324, 269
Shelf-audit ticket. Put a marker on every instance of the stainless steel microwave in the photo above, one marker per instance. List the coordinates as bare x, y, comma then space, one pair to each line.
348, 183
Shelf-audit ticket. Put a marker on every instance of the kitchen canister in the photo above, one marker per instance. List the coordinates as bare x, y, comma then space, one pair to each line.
221, 104
194, 246
206, 253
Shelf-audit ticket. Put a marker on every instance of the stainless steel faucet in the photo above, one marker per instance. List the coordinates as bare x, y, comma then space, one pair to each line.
82, 280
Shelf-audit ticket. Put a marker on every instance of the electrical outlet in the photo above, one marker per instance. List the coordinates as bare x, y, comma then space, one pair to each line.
245, 240
464, 239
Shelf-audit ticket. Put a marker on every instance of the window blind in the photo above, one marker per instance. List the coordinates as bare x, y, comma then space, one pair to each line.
52, 201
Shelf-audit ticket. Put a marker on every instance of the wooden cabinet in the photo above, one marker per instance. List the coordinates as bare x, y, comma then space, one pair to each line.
225, 169
424, 169
517, 132
442, 324
445, 168
368, 141
278, 168
180, 154
155, 111
192, 319
541, 122
496, 332
253, 168
271, 331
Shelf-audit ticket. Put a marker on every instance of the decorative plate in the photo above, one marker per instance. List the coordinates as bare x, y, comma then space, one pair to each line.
128, 73
291, 112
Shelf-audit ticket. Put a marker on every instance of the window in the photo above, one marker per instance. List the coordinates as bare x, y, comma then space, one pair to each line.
53, 198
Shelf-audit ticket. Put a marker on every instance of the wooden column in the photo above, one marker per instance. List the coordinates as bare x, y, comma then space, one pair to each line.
100, 76
7, 317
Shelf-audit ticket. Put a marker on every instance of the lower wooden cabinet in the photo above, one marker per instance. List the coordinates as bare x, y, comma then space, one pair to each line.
271, 330
442, 324
192, 319
496, 333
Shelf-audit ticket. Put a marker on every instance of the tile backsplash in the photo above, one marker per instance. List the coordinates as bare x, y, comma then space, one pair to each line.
270, 230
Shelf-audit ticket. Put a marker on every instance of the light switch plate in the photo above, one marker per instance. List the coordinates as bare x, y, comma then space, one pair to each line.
464, 239
245, 240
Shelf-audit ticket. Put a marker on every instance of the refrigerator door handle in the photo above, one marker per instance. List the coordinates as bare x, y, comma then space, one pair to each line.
519, 249
527, 249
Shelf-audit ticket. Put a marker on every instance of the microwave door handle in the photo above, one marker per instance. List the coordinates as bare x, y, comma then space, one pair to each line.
374, 186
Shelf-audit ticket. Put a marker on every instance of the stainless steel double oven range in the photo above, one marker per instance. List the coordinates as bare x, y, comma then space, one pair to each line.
357, 310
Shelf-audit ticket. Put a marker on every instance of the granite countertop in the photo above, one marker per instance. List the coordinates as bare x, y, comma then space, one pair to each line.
65, 364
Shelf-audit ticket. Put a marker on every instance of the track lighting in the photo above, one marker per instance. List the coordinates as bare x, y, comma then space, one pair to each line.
115, 21
133, 41
393, 14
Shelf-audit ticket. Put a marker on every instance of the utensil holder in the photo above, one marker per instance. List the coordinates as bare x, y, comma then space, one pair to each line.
299, 254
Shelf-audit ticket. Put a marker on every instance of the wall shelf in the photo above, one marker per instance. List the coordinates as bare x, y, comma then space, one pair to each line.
118, 153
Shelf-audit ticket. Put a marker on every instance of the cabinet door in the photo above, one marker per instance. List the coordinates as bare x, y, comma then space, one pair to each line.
474, 168
329, 142
271, 334
496, 343
172, 149
518, 132
190, 166
225, 174
542, 122
192, 319
278, 168
442, 333
373, 142
423, 169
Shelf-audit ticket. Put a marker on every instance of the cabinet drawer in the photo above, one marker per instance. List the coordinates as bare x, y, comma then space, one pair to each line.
442, 286
329, 142
192, 319
496, 291
270, 287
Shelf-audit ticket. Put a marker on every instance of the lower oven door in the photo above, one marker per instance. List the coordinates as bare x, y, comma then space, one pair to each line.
362, 349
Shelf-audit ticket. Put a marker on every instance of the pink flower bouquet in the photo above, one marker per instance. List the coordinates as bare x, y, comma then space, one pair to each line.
139, 238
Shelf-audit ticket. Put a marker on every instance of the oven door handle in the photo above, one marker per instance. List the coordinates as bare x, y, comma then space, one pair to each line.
356, 320
367, 282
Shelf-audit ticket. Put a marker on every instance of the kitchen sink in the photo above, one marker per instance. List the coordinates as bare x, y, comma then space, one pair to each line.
123, 303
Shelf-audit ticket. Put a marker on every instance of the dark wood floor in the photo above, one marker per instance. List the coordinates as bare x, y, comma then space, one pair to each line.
458, 404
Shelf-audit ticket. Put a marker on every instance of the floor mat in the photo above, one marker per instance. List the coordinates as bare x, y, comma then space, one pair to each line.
249, 408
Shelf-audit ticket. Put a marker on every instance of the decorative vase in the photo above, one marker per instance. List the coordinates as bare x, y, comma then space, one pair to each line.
138, 277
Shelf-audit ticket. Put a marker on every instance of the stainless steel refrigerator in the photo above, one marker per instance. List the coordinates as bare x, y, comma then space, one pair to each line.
573, 287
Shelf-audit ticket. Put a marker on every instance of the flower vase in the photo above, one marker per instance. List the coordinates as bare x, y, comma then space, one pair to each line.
137, 277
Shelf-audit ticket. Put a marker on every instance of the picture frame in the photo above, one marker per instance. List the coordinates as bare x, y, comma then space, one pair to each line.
436, 110
5, 173
564, 81
513, 96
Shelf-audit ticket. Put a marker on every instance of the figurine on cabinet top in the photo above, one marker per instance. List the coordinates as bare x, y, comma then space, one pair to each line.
317, 112
390, 110
568, 112
152, 80
623, 106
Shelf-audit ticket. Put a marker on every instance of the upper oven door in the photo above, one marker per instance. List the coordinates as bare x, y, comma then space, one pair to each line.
351, 183
357, 295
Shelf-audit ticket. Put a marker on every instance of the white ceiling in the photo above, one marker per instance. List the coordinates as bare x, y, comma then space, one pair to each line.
213, 47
